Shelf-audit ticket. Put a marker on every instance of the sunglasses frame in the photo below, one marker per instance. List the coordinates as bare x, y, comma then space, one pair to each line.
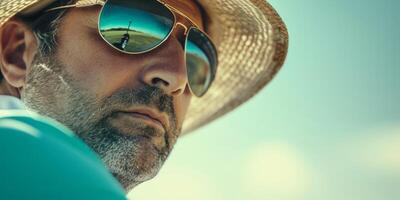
212, 68
174, 12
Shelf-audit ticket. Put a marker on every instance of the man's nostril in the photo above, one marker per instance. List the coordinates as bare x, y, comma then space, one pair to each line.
156, 81
177, 92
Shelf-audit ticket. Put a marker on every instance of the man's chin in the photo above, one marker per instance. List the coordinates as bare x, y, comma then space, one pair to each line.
131, 159
147, 167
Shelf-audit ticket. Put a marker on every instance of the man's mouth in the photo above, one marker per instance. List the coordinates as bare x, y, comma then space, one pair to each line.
149, 116
146, 119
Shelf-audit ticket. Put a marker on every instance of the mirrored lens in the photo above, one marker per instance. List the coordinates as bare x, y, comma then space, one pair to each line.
135, 26
201, 61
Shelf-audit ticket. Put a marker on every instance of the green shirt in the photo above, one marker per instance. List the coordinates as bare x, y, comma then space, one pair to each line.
41, 159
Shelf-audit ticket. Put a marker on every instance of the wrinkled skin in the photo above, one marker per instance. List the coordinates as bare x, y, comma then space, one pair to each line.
86, 85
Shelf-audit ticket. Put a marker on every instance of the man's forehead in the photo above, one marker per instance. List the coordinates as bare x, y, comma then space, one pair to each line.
183, 4
189, 8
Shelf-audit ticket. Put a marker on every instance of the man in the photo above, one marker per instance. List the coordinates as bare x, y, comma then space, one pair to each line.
130, 105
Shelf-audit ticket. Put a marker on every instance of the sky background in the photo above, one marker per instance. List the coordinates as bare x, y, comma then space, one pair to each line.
326, 128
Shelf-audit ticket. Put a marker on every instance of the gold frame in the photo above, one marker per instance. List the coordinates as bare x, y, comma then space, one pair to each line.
174, 11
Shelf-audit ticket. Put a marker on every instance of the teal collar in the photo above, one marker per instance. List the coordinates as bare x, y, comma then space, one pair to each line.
11, 103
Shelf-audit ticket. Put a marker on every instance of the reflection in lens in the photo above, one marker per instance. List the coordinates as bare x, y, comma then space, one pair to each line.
201, 61
135, 25
198, 68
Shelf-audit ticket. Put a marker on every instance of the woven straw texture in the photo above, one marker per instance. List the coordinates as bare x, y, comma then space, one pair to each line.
252, 43
9, 8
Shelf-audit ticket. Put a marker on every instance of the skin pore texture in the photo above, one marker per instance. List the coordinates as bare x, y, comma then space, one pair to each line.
89, 87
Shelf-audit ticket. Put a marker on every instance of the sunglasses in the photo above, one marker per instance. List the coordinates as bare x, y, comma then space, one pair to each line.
139, 26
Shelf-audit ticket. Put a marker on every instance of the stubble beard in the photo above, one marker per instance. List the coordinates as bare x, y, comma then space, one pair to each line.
52, 92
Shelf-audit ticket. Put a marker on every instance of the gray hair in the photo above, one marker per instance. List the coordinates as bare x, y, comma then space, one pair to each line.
45, 29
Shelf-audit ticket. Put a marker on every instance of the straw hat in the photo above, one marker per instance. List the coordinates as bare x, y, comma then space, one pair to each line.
252, 43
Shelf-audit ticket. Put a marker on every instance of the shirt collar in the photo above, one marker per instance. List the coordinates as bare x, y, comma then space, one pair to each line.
11, 103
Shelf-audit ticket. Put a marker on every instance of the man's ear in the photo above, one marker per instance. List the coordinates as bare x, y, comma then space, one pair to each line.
18, 48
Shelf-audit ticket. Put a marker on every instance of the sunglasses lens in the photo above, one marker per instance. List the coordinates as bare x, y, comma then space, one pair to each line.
135, 26
201, 61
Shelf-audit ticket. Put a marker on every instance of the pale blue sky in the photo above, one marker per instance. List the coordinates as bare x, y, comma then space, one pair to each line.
327, 127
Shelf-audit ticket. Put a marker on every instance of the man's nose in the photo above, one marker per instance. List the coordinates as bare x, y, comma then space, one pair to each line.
166, 68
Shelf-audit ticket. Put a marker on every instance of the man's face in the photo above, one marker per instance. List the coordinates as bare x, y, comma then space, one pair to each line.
101, 94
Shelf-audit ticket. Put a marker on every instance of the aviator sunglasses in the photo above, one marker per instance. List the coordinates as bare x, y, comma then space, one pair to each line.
139, 26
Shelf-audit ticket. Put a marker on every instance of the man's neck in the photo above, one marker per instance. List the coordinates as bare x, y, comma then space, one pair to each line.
6, 89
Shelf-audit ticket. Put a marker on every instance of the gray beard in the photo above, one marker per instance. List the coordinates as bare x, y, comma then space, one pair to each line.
52, 92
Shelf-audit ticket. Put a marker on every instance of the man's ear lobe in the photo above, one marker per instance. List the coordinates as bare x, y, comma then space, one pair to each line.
17, 51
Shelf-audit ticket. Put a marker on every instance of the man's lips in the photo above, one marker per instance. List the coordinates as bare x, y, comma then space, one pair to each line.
160, 120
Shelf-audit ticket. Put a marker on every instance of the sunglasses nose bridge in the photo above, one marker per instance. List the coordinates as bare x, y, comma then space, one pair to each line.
179, 32
185, 28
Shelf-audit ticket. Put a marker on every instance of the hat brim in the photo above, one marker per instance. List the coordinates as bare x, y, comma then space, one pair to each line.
252, 43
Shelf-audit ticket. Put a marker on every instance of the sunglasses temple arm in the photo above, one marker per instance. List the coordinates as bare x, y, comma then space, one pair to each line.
77, 5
